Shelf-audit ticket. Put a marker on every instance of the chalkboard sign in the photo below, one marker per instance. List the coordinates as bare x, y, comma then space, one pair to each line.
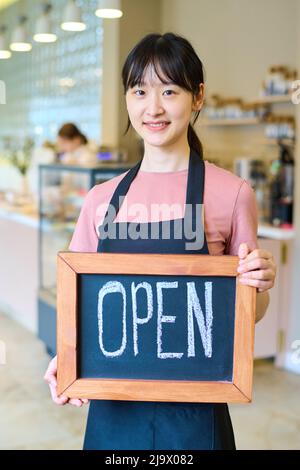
154, 327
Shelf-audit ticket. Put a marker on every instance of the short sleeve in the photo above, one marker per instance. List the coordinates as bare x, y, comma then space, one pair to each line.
85, 238
244, 220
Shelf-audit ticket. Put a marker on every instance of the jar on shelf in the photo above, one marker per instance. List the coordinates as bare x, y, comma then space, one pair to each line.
278, 81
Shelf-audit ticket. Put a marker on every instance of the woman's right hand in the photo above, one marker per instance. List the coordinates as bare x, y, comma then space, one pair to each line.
51, 378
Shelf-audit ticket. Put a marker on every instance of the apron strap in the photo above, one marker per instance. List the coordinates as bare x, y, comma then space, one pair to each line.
196, 178
122, 189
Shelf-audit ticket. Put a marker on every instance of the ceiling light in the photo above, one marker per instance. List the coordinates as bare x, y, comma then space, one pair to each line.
109, 9
4, 51
44, 30
72, 19
19, 41
67, 82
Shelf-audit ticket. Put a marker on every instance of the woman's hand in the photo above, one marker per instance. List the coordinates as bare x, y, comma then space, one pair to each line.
50, 378
257, 268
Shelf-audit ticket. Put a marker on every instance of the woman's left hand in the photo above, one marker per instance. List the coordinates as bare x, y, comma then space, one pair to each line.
257, 268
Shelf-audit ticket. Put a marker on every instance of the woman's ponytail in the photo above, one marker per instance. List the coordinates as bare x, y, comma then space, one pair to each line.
194, 141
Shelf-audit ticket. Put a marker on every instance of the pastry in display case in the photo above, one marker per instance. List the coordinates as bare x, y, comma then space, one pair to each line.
62, 189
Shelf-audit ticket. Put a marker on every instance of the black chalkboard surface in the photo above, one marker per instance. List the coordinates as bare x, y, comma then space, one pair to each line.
155, 327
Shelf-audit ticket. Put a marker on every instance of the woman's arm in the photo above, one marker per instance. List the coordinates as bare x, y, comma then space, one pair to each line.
262, 302
257, 268
84, 240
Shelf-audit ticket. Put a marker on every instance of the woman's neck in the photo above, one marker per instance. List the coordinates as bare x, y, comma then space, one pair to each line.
165, 160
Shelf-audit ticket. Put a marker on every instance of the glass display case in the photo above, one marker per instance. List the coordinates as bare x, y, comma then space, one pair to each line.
62, 189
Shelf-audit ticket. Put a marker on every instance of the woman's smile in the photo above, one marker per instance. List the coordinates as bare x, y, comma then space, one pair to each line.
156, 126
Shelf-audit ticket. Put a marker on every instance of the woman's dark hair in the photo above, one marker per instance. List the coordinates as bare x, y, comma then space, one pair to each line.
70, 132
175, 58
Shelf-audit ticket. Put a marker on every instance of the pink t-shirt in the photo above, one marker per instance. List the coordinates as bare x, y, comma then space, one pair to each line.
230, 212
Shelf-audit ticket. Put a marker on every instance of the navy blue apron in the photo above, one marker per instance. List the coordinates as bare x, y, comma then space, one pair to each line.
128, 425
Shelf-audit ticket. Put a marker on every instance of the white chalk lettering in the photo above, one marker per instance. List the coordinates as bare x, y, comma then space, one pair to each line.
136, 320
112, 287
143, 313
205, 327
164, 319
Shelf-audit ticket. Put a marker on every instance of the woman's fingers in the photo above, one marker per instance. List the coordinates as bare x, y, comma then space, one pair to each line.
259, 253
257, 263
75, 402
257, 269
50, 378
50, 375
78, 402
262, 274
62, 400
260, 285
59, 400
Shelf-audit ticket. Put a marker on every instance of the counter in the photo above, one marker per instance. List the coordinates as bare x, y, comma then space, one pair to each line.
274, 233
19, 265
27, 217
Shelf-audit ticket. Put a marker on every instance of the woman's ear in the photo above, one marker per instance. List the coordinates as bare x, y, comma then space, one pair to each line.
199, 98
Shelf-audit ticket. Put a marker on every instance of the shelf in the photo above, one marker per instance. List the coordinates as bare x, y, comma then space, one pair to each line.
231, 122
272, 99
275, 99
276, 233
288, 142
50, 224
101, 167
17, 214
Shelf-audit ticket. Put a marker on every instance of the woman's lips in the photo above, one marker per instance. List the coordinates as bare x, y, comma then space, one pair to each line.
156, 126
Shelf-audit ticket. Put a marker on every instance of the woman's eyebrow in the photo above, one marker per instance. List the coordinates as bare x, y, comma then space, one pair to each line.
164, 84
143, 83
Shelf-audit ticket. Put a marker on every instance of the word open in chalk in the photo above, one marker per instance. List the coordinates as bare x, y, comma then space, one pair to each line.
199, 316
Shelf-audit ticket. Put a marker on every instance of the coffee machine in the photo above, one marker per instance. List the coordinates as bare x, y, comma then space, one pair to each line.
254, 171
282, 188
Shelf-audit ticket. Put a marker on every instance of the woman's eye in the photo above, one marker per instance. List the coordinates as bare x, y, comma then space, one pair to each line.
168, 92
139, 92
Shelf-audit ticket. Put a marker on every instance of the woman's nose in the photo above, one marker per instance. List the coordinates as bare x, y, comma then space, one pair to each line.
154, 106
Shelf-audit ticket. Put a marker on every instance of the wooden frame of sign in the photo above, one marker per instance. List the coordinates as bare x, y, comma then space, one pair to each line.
70, 265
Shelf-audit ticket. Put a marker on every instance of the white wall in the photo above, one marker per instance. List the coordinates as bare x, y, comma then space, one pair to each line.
237, 40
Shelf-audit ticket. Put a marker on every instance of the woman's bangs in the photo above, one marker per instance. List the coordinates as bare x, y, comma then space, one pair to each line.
167, 67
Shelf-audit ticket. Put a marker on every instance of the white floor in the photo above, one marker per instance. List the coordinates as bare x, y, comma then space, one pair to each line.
29, 420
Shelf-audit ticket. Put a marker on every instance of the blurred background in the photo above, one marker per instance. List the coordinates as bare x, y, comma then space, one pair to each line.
62, 120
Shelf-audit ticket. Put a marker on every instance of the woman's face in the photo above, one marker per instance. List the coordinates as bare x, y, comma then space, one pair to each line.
68, 145
160, 113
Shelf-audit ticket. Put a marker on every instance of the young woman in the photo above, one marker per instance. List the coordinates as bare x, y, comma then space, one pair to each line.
164, 87
74, 147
